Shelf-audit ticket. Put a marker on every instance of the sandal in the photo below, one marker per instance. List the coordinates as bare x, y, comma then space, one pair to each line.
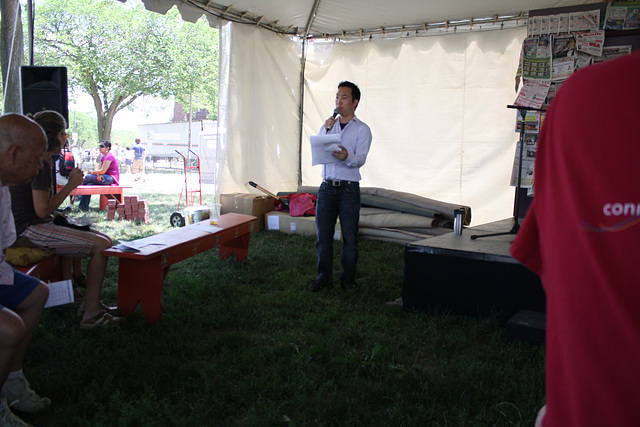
104, 307
103, 319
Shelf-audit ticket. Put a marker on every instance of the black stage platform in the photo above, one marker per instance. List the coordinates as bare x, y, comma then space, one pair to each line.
471, 277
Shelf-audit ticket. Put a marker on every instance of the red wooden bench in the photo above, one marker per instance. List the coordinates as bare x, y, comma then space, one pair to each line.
47, 270
141, 274
105, 191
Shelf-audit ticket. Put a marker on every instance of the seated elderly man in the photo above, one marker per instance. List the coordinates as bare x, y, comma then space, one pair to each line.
22, 298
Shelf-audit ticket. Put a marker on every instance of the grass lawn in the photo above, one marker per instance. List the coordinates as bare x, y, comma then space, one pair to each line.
246, 344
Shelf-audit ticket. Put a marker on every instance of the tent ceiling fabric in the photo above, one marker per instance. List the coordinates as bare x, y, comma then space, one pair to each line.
335, 17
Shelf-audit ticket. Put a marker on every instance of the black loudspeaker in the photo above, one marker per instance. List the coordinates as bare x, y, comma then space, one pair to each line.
44, 88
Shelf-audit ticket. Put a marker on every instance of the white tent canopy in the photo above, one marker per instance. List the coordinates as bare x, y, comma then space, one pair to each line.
335, 17
436, 105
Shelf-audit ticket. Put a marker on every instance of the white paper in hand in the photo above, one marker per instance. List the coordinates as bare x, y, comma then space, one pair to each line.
322, 146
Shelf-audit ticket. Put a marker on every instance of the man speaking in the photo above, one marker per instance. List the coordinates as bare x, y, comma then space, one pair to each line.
339, 193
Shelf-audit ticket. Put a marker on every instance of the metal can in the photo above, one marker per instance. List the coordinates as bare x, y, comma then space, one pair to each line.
458, 218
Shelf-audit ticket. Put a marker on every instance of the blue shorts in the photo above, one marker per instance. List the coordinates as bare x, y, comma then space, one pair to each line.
12, 296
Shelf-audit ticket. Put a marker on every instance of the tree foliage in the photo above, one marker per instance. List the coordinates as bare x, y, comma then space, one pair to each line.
83, 129
119, 52
196, 66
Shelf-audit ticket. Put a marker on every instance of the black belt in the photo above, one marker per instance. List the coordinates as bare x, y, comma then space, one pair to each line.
338, 183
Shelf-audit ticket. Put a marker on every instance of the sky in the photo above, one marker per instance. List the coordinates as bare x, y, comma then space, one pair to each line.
147, 110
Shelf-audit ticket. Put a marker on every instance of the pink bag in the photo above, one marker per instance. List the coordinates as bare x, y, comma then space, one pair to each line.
300, 204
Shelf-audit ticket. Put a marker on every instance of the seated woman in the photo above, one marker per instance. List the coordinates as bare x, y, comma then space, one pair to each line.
108, 174
33, 205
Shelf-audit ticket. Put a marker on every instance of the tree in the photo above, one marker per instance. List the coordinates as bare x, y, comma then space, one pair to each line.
196, 66
11, 54
117, 52
83, 129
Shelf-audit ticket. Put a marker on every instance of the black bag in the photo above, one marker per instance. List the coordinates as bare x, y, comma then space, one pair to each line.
67, 163
61, 220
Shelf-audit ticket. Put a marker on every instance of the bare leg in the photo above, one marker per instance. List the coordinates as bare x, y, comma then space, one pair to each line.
12, 333
29, 310
96, 270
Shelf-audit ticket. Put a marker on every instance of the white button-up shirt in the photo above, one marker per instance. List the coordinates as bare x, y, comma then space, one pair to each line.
356, 138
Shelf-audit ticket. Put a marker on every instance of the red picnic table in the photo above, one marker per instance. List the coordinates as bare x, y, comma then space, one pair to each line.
105, 191
141, 273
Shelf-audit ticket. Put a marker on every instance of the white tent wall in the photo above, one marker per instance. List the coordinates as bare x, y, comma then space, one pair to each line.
436, 107
437, 110
259, 100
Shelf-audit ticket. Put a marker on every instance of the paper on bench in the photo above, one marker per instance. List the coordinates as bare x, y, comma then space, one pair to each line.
125, 246
60, 293
322, 146
207, 227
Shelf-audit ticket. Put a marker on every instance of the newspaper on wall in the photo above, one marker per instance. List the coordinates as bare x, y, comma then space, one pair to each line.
536, 58
532, 94
528, 161
623, 15
611, 52
591, 42
588, 20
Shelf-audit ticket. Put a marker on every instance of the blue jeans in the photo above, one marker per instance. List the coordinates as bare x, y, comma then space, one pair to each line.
344, 202
92, 179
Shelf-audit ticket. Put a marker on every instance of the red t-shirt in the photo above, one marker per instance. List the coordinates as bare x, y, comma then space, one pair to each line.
582, 236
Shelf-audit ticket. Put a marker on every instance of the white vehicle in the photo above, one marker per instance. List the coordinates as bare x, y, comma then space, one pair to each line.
162, 140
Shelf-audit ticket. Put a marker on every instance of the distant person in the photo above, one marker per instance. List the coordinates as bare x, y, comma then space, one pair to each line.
66, 163
138, 160
33, 205
581, 236
128, 159
77, 154
22, 297
339, 193
108, 174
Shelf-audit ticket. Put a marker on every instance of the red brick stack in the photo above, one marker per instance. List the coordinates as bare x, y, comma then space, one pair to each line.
132, 209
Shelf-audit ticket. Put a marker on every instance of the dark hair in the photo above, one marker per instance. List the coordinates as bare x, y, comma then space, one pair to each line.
355, 92
106, 144
53, 123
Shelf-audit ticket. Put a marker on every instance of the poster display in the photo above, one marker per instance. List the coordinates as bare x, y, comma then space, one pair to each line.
557, 45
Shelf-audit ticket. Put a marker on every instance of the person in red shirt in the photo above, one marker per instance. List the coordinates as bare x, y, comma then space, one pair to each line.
581, 235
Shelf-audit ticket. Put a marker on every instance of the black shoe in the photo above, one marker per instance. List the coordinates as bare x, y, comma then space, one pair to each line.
349, 285
319, 284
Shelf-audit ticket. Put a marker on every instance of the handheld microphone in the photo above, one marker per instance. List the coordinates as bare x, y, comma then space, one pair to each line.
335, 113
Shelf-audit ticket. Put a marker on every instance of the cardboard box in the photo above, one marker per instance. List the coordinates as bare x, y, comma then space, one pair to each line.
303, 225
248, 204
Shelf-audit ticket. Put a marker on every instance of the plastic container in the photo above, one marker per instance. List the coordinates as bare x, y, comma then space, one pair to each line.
194, 214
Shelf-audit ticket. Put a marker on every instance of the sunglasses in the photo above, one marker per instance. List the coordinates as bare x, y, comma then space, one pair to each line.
101, 146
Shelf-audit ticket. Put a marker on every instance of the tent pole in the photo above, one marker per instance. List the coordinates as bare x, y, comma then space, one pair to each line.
301, 110
303, 62
31, 19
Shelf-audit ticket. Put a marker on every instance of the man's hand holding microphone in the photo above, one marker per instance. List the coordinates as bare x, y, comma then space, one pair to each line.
328, 125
